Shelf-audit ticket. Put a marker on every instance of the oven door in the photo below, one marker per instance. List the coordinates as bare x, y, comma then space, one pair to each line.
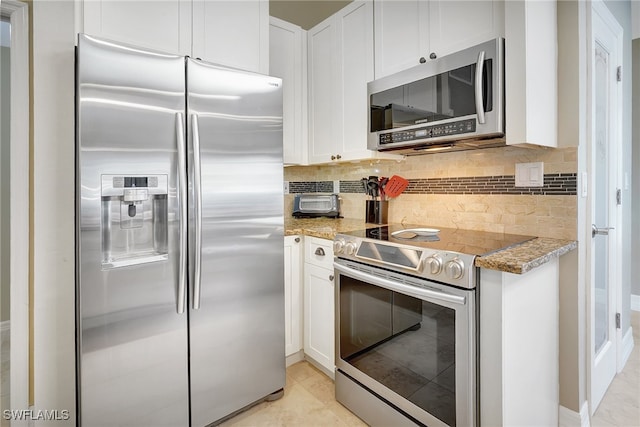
410, 341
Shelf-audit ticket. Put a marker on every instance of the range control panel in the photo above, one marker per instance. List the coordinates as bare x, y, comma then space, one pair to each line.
426, 132
445, 266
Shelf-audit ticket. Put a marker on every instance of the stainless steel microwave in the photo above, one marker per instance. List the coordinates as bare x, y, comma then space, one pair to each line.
451, 103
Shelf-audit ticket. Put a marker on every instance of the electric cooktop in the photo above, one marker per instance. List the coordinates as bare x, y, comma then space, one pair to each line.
469, 242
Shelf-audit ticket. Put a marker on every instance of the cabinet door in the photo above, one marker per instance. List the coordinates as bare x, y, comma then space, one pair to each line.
319, 315
321, 42
457, 25
287, 60
232, 33
354, 26
163, 25
401, 35
293, 294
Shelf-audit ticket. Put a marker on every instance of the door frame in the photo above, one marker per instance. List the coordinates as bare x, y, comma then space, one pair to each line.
615, 265
20, 237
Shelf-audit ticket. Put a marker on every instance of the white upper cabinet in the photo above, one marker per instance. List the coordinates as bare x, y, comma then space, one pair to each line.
401, 35
287, 60
157, 25
457, 25
531, 73
232, 33
340, 64
354, 29
323, 94
410, 32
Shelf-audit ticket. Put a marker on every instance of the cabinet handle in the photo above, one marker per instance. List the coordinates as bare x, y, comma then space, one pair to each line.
338, 157
333, 157
433, 55
320, 252
297, 240
422, 60
331, 277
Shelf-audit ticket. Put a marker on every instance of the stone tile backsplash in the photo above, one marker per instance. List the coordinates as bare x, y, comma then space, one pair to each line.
469, 189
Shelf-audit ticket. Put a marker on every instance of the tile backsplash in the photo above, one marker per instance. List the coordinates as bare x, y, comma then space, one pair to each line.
469, 189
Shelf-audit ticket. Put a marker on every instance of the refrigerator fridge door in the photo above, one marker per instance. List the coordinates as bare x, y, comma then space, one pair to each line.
236, 224
132, 342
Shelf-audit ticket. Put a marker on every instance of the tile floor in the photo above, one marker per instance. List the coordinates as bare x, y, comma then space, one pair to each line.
309, 399
621, 405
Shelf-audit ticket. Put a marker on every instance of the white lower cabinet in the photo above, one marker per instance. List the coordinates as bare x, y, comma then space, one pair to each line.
293, 294
319, 313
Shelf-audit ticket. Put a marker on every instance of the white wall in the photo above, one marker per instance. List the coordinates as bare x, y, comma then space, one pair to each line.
572, 88
53, 206
635, 19
5, 143
635, 273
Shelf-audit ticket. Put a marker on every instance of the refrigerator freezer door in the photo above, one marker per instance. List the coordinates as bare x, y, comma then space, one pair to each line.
237, 333
132, 347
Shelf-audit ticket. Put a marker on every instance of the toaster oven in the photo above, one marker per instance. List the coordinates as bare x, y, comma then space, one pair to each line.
316, 205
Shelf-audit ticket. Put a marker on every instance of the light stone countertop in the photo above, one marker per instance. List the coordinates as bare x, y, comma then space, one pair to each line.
325, 228
517, 259
526, 256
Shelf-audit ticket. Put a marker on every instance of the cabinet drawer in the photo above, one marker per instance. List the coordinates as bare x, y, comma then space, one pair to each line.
318, 252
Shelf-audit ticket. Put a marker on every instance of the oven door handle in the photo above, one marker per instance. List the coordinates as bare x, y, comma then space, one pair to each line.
399, 287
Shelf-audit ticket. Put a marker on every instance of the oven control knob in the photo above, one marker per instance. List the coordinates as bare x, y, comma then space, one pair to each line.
350, 248
435, 264
454, 269
338, 246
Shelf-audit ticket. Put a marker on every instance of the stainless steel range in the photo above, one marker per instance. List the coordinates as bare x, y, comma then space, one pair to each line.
407, 322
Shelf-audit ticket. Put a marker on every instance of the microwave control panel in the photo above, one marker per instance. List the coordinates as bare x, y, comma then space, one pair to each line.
426, 132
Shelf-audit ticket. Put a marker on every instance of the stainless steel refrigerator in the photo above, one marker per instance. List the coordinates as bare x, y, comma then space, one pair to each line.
180, 297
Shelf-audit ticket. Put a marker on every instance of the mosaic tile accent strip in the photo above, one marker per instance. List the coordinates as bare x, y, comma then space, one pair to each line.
564, 184
351, 187
300, 187
561, 184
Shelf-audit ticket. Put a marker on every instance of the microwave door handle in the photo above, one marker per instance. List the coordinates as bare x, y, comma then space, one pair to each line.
479, 88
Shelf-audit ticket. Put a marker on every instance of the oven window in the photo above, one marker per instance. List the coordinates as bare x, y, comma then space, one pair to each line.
404, 343
444, 96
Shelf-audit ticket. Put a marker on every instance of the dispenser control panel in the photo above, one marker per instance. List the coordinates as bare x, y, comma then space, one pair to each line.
134, 219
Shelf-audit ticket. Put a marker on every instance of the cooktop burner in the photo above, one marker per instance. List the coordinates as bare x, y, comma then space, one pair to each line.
446, 239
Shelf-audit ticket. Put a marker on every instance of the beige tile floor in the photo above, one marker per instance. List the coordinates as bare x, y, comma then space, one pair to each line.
309, 399
621, 404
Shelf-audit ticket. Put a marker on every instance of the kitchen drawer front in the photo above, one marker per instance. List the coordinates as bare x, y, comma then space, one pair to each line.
318, 252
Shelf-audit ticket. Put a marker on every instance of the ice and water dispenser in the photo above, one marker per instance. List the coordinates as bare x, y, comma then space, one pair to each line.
134, 219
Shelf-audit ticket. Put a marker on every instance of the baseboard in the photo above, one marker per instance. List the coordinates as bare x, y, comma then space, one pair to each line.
635, 302
321, 368
627, 348
5, 326
569, 418
294, 358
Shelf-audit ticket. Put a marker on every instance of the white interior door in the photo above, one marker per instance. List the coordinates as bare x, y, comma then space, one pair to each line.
604, 152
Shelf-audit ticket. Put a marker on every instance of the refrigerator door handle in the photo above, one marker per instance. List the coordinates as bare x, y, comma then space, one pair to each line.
198, 211
182, 203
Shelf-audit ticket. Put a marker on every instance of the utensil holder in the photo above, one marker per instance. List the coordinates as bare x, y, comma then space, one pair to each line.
377, 212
